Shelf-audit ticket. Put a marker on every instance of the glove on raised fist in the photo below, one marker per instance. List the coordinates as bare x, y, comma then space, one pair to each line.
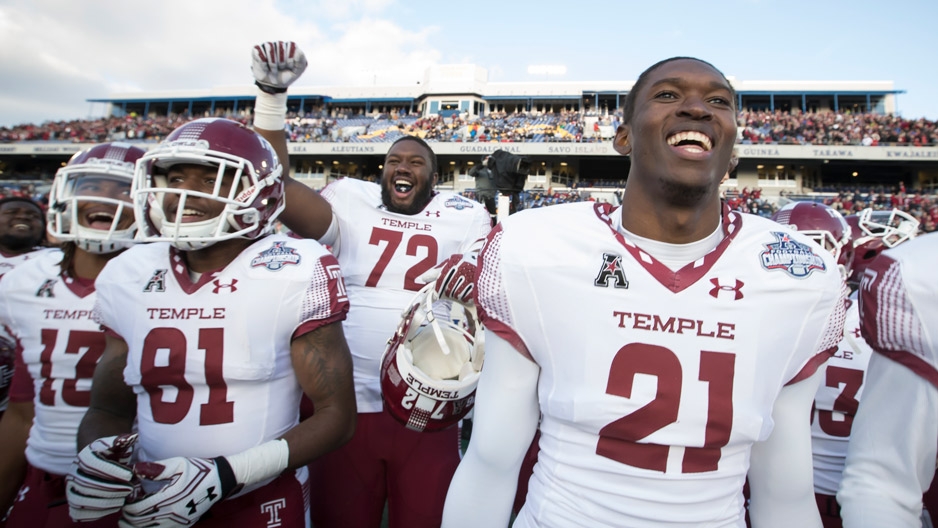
276, 65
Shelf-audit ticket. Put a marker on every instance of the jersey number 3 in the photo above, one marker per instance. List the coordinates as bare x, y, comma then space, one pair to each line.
619, 439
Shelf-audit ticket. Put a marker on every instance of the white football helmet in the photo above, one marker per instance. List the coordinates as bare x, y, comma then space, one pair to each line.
95, 184
893, 227
432, 363
252, 204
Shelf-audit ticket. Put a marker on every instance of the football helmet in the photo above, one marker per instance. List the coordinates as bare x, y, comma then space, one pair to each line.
251, 205
823, 224
893, 227
875, 232
79, 190
432, 363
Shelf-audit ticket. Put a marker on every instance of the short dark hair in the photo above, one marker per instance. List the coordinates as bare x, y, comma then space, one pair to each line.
629, 107
433, 163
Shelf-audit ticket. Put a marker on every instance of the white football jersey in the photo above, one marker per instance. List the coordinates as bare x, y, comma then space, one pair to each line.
60, 344
654, 384
836, 402
210, 361
382, 254
898, 305
891, 458
7, 342
8, 262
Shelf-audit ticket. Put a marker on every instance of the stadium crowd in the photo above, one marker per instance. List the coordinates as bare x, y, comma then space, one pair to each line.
344, 125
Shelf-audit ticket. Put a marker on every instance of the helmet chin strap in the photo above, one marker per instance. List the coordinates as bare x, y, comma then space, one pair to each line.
431, 318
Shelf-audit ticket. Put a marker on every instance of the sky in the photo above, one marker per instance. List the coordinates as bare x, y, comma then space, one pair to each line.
57, 54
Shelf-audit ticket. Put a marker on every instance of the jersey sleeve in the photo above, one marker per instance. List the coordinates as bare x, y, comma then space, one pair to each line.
325, 299
331, 237
480, 227
495, 312
889, 321
834, 314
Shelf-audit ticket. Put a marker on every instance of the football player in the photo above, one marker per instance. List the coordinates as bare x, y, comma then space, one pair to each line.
46, 303
891, 458
667, 346
386, 236
214, 331
22, 231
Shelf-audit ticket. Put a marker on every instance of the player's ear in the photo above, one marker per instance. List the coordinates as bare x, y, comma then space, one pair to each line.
621, 141
734, 161
434, 179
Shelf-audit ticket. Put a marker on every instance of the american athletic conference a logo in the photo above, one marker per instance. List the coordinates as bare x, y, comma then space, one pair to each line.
275, 258
795, 258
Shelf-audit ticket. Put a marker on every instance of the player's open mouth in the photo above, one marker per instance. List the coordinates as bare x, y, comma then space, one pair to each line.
403, 187
100, 220
691, 141
190, 215
19, 226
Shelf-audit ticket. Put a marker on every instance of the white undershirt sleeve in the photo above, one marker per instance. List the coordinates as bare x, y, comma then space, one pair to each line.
893, 447
505, 420
331, 236
781, 473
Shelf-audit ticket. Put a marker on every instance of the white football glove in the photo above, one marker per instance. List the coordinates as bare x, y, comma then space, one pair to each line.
192, 486
100, 479
276, 65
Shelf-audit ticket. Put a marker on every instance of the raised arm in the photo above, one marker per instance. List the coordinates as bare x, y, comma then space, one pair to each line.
276, 65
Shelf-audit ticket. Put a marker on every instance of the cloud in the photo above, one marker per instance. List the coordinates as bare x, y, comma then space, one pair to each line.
56, 54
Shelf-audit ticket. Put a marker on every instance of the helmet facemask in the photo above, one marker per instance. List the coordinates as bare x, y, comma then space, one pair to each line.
89, 203
245, 195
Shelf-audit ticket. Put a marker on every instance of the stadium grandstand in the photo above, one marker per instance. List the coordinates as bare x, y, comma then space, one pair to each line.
841, 142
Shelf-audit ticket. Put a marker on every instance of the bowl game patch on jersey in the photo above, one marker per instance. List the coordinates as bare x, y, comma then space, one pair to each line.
275, 258
795, 258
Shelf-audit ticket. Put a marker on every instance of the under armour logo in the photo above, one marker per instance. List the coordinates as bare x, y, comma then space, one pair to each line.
210, 495
429, 213
611, 269
272, 508
856, 332
219, 285
46, 289
717, 288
